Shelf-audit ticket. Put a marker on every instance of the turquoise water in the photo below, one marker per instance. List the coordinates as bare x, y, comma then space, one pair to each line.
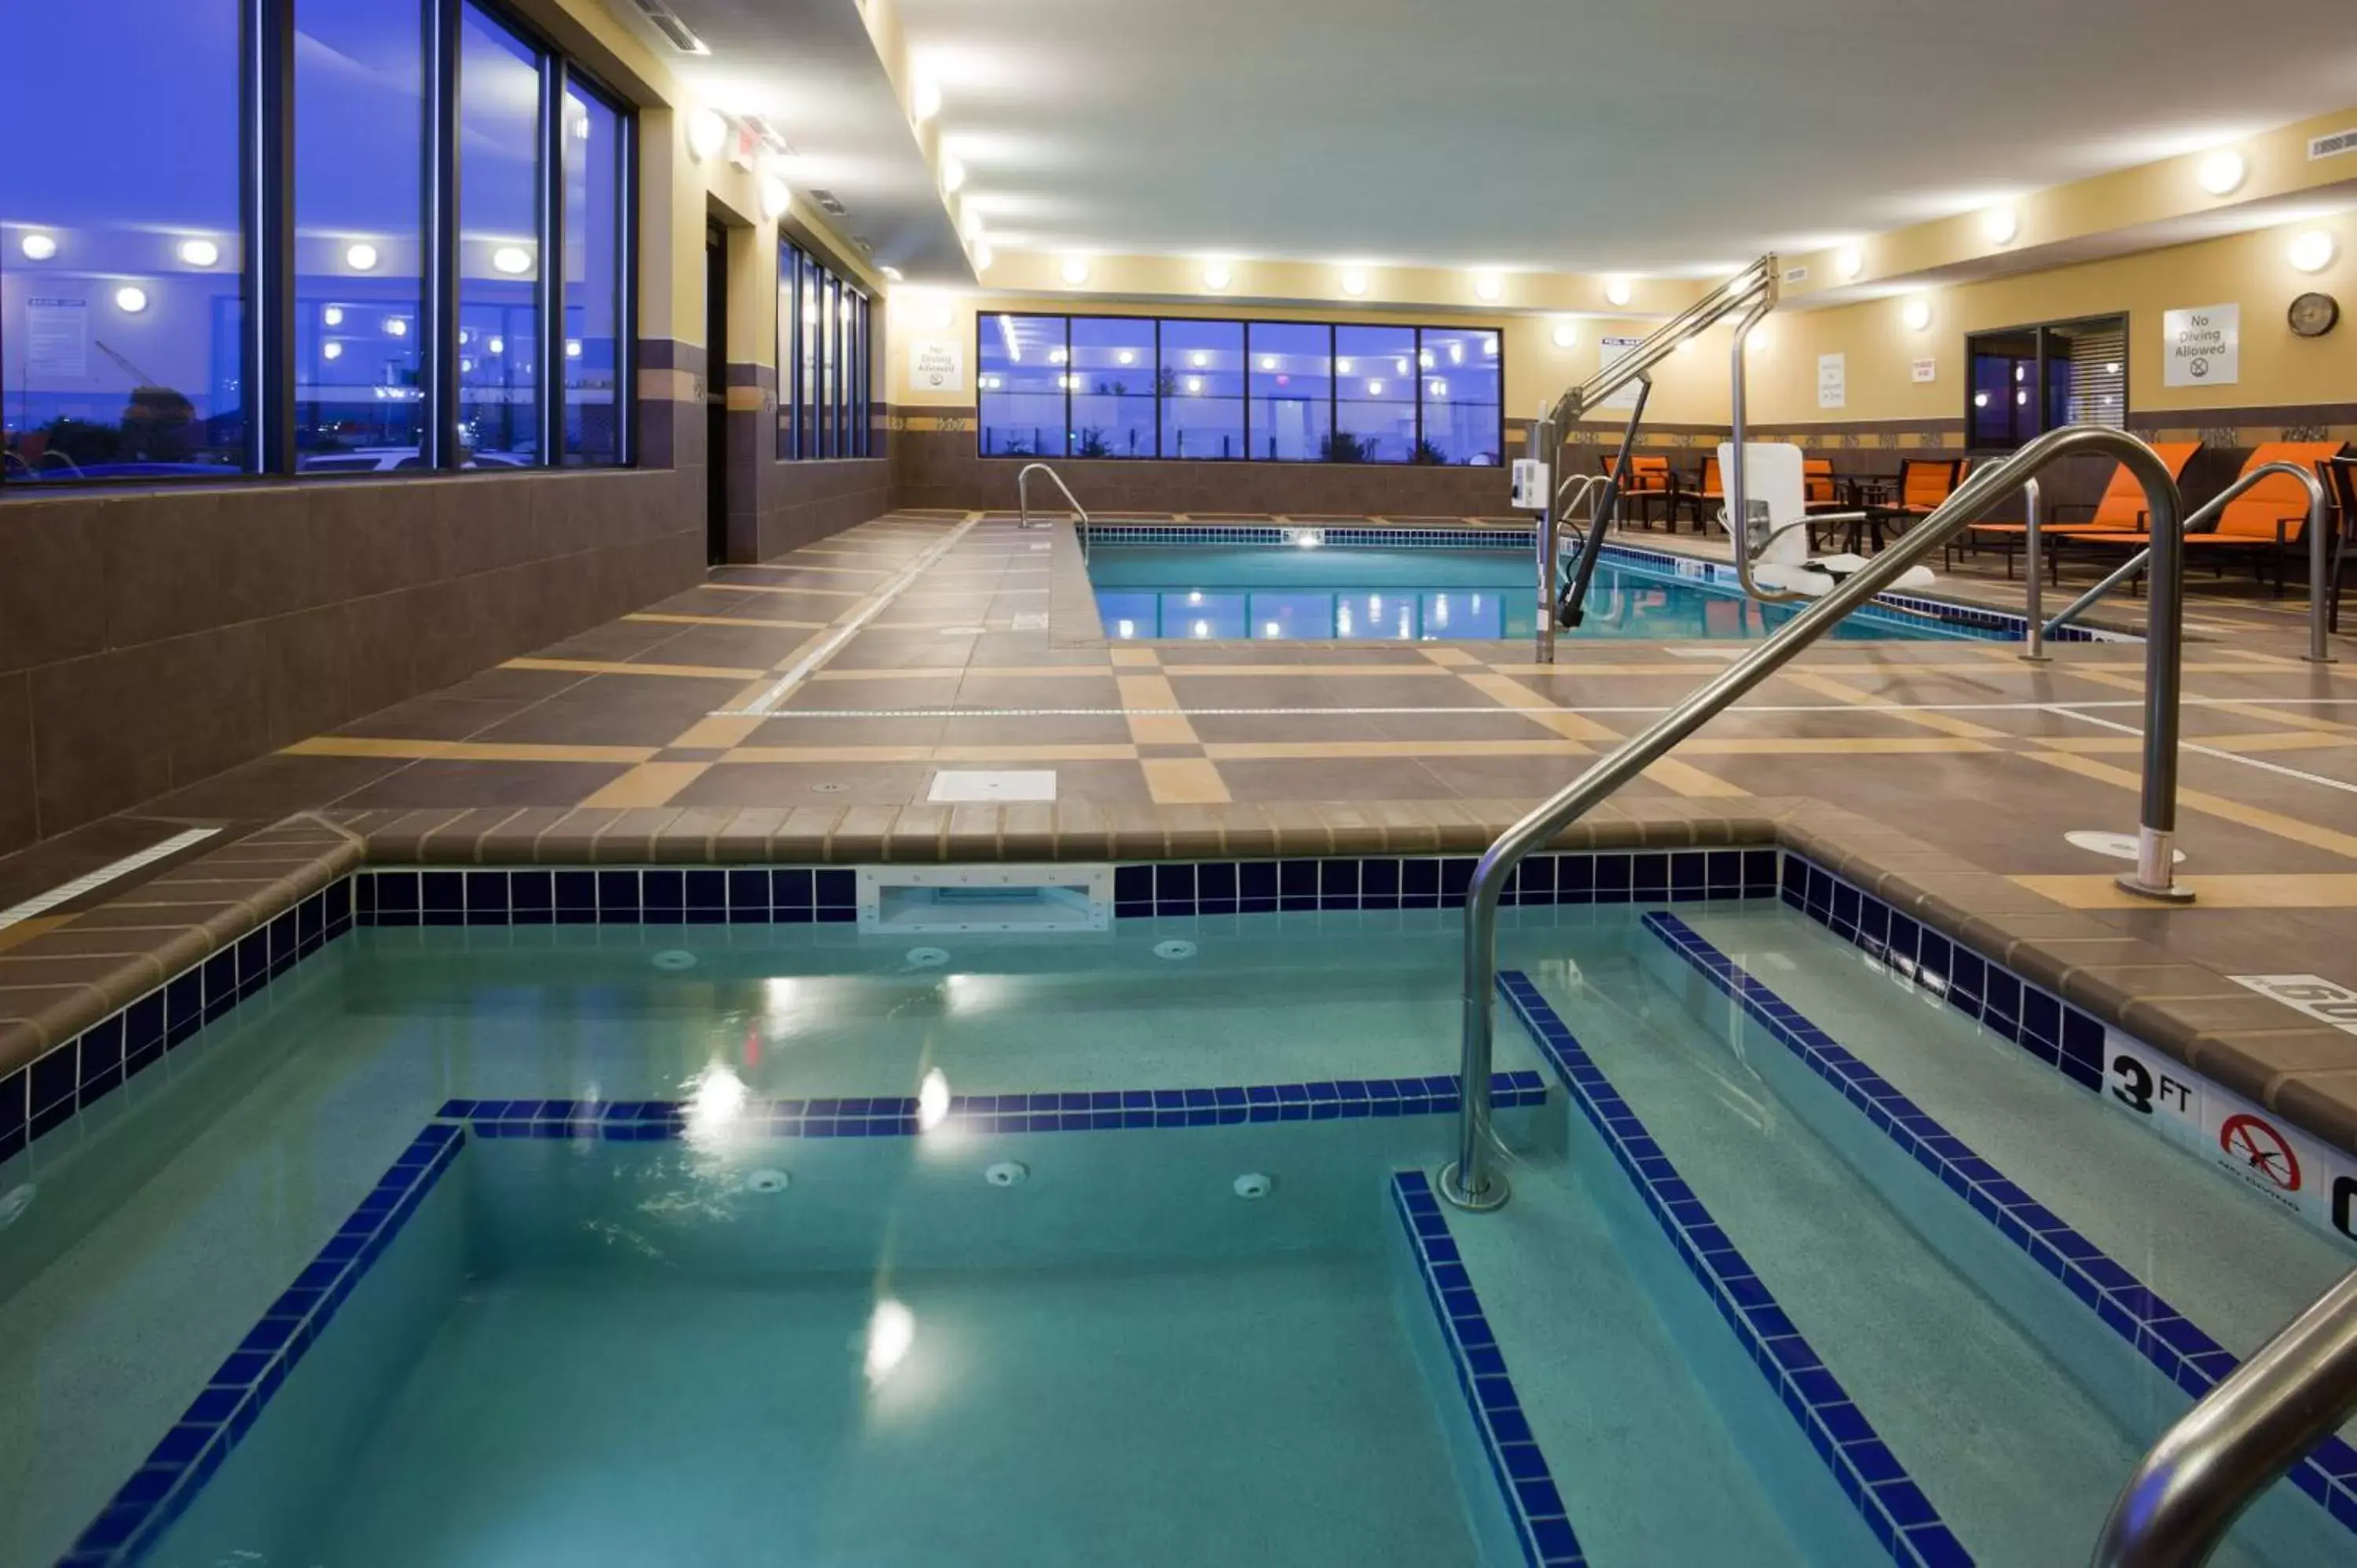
1415, 595
587, 1352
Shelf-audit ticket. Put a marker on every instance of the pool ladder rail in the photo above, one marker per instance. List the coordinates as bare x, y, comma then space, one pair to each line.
1471, 1183
1023, 502
2239, 1440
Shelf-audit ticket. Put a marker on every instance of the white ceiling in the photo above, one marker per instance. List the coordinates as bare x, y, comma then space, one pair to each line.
1639, 136
807, 68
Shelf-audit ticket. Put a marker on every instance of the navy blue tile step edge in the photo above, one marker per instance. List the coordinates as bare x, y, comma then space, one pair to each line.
1901, 1518
164, 1486
161, 1489
1524, 1482
72, 1078
1088, 1110
38, 1100
2172, 1343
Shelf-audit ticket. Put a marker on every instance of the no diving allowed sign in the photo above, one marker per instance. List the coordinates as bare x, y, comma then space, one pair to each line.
2265, 1154
2203, 346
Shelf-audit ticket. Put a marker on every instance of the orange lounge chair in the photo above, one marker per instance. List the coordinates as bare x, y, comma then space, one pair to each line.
2121, 510
2266, 521
1649, 482
1923, 484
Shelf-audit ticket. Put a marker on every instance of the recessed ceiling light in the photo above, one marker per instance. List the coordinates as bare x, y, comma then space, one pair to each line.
925, 100
777, 197
1617, 291
1076, 270
1218, 275
1849, 261
131, 300
200, 252
2313, 252
952, 175
1489, 285
1125, 356
38, 247
891, 273
1268, 361
707, 130
333, 315
1916, 313
362, 258
1354, 282
513, 259
983, 256
1194, 383
2000, 225
331, 350
1199, 359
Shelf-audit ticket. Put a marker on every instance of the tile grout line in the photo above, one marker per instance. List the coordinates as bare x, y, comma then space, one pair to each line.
90, 882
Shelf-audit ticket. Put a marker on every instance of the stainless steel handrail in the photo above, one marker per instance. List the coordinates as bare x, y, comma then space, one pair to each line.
1582, 488
2245, 1433
2033, 556
1023, 501
2319, 553
1470, 1183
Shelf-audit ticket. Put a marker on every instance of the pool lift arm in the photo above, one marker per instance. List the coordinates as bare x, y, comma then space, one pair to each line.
1748, 296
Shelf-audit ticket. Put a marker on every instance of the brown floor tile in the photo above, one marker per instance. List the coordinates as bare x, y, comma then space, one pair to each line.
427, 784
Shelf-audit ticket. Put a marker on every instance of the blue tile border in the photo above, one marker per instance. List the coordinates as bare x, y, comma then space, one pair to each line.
1071, 1111
73, 1077
161, 1489
2171, 1342
1180, 889
1893, 1507
2067, 1038
1524, 1483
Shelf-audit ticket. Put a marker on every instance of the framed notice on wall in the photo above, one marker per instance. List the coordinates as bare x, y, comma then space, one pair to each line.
2202, 346
1607, 351
1833, 381
936, 365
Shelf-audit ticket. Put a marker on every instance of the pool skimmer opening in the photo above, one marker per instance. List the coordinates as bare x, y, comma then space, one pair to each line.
768, 1181
928, 957
1007, 1173
1253, 1185
673, 960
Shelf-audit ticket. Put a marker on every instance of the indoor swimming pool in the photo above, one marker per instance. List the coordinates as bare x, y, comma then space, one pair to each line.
716, 1226
1424, 593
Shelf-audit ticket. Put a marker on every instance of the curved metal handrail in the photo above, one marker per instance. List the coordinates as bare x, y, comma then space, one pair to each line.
2245, 1433
2319, 552
1470, 1183
1023, 500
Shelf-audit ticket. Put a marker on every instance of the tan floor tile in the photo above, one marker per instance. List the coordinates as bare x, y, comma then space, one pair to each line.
648, 784
1178, 781
673, 672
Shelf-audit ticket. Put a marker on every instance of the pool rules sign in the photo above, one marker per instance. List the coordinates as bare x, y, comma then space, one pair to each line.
2203, 346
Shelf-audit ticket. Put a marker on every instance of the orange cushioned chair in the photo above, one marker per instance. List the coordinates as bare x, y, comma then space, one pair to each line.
2122, 511
2264, 522
1649, 482
1923, 484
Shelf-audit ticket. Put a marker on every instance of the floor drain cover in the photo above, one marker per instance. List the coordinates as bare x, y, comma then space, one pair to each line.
674, 959
1173, 949
829, 788
928, 957
2119, 846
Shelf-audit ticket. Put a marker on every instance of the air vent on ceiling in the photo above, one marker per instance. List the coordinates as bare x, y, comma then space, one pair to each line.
825, 198
770, 136
666, 22
2327, 146
863, 244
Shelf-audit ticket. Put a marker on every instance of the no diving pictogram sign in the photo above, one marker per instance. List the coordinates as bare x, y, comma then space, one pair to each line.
2258, 1148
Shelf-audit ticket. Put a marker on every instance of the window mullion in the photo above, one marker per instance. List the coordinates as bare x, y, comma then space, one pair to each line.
551, 291
438, 346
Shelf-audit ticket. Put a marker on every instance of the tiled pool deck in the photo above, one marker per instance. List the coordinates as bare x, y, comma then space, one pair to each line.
1944, 773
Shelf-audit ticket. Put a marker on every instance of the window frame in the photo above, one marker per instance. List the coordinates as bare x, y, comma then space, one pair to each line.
826, 373
2042, 330
1246, 323
266, 350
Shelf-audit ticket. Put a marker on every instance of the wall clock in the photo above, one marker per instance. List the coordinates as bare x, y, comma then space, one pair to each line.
2314, 315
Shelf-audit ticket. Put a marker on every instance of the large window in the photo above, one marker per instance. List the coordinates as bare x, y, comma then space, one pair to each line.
1281, 391
824, 361
122, 289
1024, 382
2022, 381
263, 275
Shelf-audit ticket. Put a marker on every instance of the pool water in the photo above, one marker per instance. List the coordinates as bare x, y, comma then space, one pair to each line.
1148, 592
738, 1339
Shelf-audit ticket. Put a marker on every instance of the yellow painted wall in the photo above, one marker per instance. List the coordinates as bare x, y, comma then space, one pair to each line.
2251, 269
1692, 388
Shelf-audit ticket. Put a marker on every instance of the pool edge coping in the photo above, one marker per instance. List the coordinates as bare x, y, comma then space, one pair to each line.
173, 923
